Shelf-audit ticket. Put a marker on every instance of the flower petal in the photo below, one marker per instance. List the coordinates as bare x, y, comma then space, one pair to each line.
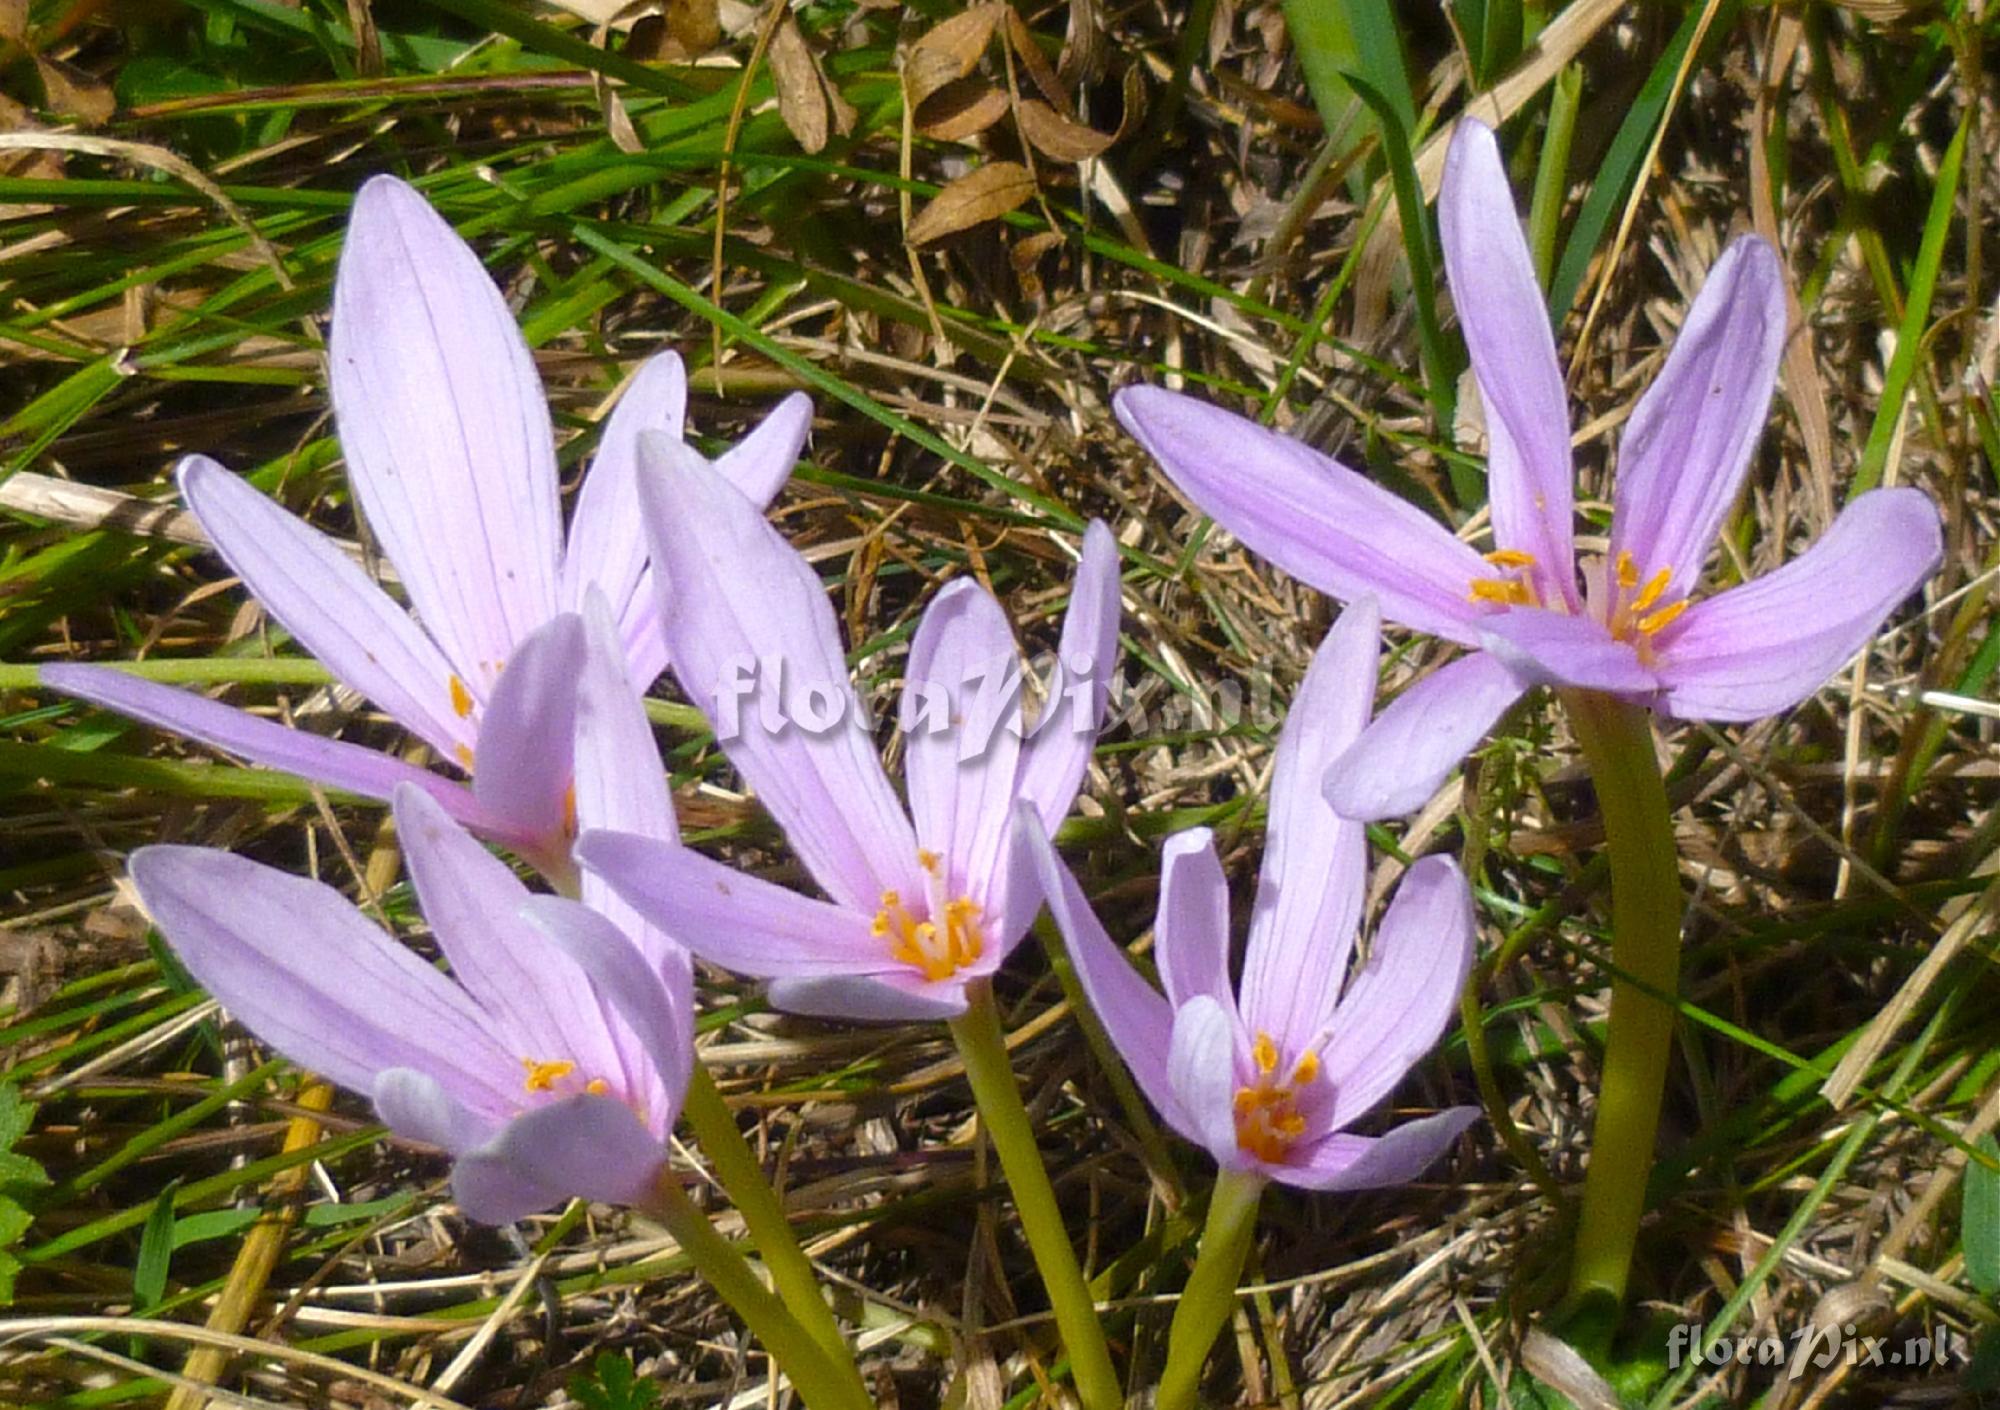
1529, 477
327, 602
755, 646
1191, 927
904, 997
607, 543
1315, 861
312, 977
1401, 759
961, 695
1310, 515
729, 917
1398, 1003
446, 433
1761, 648
583, 1147
416, 1107
1552, 648
761, 463
1344, 1162
1201, 1069
526, 759
1138, 1021
1058, 752
1689, 441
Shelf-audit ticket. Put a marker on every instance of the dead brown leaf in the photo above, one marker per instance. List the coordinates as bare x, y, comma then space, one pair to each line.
1056, 135
961, 109
695, 26
801, 95
1021, 40
72, 93
973, 199
14, 20
948, 51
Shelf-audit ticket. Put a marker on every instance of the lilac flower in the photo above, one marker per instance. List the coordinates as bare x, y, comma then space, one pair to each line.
920, 902
1267, 1077
552, 1064
451, 456
1634, 631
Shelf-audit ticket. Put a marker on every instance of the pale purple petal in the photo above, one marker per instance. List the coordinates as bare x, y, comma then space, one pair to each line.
895, 997
1310, 515
607, 543
416, 1107
752, 635
583, 1147
761, 463
1759, 649
1310, 890
315, 979
332, 762
1137, 1020
328, 603
961, 694
1689, 441
1191, 927
1402, 758
729, 917
442, 419
1398, 1003
1201, 1069
1344, 1162
1506, 324
525, 763
1058, 752
1550, 648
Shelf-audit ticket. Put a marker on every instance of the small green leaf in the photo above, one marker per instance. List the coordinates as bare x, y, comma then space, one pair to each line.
1979, 1219
156, 1251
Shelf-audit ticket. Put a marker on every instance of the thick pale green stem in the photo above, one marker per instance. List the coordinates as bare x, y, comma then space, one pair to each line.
1209, 1299
1617, 742
821, 1383
742, 1179
983, 1048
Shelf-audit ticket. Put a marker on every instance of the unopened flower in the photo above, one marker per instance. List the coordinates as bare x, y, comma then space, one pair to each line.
1633, 629
451, 455
920, 902
1268, 1075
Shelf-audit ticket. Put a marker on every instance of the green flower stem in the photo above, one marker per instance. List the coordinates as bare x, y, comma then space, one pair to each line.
983, 1048
742, 1179
822, 1383
1209, 1299
1617, 742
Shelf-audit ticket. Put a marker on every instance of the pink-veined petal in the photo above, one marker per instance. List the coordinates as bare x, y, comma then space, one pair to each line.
1191, 926
324, 599
961, 694
527, 737
1344, 1162
1529, 477
442, 419
315, 979
1310, 515
1310, 890
730, 918
905, 997
1201, 1069
1398, 1003
1761, 648
761, 463
1057, 753
1403, 757
1690, 438
755, 646
583, 1147
1552, 648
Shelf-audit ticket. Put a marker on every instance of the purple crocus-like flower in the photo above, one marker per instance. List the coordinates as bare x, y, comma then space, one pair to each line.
450, 452
552, 1064
1268, 1075
1633, 630
920, 902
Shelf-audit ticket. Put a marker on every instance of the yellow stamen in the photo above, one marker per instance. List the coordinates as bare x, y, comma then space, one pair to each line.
1655, 587
569, 810
1510, 558
1268, 1119
938, 947
1265, 1053
463, 753
1653, 621
543, 1076
461, 698
929, 860
1507, 592
1628, 570
596, 1087
1306, 1068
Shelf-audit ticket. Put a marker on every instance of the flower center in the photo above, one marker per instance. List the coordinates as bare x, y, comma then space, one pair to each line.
1511, 586
1637, 612
543, 1076
946, 940
1268, 1120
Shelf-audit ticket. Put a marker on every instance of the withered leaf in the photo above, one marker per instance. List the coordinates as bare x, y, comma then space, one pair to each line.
977, 197
801, 99
74, 93
960, 109
1021, 40
1056, 135
694, 26
14, 20
948, 51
